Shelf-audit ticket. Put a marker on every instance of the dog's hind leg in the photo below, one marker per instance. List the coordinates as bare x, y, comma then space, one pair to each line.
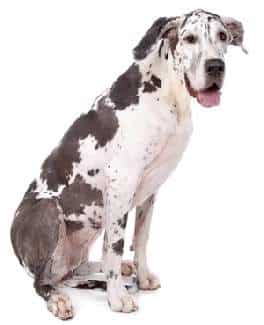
39, 239
47, 283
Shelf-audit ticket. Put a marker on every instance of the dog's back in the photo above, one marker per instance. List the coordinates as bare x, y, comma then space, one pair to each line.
115, 157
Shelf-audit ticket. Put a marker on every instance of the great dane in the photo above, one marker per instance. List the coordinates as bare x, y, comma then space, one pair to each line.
116, 156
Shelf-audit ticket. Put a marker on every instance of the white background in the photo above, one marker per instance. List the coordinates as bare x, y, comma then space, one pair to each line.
207, 239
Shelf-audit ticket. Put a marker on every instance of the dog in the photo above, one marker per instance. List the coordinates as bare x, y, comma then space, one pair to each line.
115, 157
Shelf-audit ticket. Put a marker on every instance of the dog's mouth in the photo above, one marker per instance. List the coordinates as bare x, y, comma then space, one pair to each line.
207, 97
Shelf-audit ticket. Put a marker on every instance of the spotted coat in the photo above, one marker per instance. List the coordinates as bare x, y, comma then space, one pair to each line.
115, 157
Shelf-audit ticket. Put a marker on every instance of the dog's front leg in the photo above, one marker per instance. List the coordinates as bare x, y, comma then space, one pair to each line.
146, 279
118, 201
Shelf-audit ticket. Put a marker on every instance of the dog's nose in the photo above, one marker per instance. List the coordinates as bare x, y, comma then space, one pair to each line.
214, 67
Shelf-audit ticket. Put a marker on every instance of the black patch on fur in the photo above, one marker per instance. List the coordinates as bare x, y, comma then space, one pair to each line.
152, 85
105, 243
118, 247
123, 221
156, 81
76, 196
160, 48
32, 188
215, 16
93, 172
124, 91
110, 274
101, 123
150, 38
140, 214
187, 16
72, 226
148, 87
43, 291
95, 224
152, 199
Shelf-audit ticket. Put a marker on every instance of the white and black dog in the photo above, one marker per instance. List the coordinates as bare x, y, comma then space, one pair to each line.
116, 156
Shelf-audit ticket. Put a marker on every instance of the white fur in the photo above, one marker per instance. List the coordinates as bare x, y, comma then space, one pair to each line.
149, 143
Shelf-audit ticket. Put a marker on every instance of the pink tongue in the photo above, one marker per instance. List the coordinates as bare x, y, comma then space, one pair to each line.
209, 98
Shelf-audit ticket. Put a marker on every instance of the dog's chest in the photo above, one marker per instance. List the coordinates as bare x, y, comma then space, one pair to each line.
165, 161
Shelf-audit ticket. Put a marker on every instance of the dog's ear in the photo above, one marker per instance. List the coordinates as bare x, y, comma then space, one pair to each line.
157, 31
236, 31
170, 32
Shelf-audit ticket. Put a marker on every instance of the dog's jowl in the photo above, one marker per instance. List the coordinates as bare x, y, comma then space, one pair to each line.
115, 157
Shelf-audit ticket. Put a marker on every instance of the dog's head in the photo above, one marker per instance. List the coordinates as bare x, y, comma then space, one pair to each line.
195, 43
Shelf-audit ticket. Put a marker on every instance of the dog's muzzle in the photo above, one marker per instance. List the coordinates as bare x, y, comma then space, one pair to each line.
210, 95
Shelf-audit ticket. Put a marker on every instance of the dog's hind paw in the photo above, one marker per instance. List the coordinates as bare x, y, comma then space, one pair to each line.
60, 306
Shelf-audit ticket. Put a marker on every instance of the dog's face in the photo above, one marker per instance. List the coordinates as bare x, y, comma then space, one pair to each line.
198, 42
202, 42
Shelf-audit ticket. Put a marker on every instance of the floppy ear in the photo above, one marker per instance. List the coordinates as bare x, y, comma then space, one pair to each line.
153, 34
170, 32
236, 31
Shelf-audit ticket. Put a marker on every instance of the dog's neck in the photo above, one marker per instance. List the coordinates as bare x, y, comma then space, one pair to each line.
162, 65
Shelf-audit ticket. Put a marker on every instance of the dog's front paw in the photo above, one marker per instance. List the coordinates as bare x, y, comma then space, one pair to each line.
60, 306
148, 281
121, 301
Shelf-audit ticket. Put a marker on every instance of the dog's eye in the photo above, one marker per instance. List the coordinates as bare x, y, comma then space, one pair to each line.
191, 39
222, 36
